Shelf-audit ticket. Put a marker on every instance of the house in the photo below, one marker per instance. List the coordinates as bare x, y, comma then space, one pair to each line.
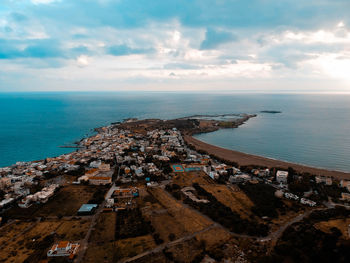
323, 179
345, 196
105, 167
100, 180
87, 209
125, 193
307, 202
345, 184
282, 176
63, 249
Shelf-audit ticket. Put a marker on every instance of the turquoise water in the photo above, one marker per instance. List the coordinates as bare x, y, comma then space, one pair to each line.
312, 129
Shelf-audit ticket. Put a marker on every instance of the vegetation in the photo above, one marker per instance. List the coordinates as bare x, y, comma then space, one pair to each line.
99, 195
130, 223
264, 199
302, 242
225, 216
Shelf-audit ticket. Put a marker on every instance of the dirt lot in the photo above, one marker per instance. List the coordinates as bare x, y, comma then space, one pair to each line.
131, 247
104, 230
213, 237
190, 220
100, 253
114, 251
236, 200
341, 224
68, 199
188, 178
25, 239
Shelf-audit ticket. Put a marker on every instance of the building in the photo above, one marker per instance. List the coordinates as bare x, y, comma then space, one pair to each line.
323, 179
87, 209
125, 193
105, 167
345, 184
100, 180
345, 196
63, 249
282, 176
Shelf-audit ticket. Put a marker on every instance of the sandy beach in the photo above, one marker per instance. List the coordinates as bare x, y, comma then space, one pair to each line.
250, 159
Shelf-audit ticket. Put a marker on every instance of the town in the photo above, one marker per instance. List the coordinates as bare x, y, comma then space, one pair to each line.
138, 192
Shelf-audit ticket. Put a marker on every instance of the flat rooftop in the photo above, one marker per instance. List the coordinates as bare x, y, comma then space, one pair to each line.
87, 208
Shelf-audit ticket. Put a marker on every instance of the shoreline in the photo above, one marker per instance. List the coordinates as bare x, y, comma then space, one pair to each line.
241, 158
250, 159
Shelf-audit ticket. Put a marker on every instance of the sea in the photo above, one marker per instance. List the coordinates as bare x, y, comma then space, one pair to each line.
312, 129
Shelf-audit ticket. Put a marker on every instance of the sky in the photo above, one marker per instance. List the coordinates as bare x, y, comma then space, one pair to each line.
183, 45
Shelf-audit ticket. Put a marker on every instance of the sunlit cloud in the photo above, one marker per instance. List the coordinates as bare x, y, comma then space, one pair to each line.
185, 44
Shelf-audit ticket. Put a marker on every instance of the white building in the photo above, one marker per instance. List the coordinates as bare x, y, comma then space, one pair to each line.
63, 249
282, 176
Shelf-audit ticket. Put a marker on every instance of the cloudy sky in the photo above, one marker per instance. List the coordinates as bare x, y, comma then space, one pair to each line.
236, 45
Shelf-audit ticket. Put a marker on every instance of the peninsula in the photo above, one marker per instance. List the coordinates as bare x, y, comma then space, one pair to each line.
147, 191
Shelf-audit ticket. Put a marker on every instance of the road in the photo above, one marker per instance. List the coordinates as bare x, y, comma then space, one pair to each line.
84, 243
168, 244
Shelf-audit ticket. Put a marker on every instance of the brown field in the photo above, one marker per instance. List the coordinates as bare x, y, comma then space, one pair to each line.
341, 224
190, 220
68, 200
250, 159
100, 253
213, 237
188, 178
236, 200
165, 224
10, 231
130, 247
104, 230
186, 251
23, 238
73, 230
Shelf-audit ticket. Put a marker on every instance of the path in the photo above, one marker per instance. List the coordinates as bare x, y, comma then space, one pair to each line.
84, 243
168, 244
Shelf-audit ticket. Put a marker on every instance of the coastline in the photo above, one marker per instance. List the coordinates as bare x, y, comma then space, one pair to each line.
205, 126
250, 159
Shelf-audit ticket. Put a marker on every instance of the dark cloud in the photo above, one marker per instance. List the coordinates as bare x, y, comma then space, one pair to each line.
123, 50
198, 13
10, 49
214, 38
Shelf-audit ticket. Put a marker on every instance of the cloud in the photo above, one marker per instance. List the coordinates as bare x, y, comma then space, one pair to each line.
214, 38
154, 41
180, 66
83, 61
12, 49
38, 2
124, 50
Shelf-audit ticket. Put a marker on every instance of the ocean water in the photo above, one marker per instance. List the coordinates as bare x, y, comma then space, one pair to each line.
312, 129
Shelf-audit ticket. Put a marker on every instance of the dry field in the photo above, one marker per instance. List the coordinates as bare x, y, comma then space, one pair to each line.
104, 230
68, 200
238, 201
341, 224
117, 250
213, 237
130, 247
190, 220
188, 178
24, 239
100, 253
